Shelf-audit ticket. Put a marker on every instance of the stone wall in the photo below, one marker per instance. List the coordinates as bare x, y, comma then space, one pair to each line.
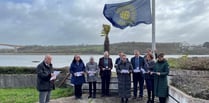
181, 97
189, 72
17, 80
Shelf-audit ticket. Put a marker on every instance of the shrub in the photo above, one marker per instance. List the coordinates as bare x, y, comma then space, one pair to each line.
194, 63
25, 70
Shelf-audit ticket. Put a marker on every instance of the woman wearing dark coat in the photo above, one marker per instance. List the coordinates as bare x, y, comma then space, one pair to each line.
161, 72
124, 79
149, 67
77, 70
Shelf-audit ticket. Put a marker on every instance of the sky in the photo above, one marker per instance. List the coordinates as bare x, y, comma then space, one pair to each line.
75, 22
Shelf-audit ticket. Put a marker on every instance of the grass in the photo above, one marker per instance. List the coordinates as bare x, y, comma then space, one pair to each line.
30, 95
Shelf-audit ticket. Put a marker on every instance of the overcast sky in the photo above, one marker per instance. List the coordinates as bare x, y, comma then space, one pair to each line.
69, 22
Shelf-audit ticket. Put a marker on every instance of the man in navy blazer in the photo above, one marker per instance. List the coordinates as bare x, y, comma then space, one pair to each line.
138, 77
105, 65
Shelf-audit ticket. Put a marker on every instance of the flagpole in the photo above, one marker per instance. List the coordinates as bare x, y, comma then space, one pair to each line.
153, 28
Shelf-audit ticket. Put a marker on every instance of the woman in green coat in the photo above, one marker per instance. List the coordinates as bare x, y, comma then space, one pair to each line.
161, 72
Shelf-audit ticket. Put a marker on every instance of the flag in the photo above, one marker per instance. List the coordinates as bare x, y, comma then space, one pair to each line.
129, 13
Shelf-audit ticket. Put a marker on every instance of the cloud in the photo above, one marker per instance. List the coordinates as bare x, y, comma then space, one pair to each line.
68, 22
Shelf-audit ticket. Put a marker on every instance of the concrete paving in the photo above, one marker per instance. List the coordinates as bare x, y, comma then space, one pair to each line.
111, 99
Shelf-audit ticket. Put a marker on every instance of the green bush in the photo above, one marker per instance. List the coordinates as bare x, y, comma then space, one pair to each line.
17, 70
195, 63
25, 70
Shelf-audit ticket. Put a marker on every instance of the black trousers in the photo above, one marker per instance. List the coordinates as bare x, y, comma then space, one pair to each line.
78, 91
150, 89
162, 99
105, 84
92, 84
138, 79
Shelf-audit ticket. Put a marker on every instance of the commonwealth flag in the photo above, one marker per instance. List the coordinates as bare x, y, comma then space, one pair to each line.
129, 13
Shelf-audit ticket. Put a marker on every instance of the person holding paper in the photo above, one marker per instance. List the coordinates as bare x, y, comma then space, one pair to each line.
105, 65
44, 84
149, 78
124, 79
161, 71
138, 77
119, 59
92, 76
77, 69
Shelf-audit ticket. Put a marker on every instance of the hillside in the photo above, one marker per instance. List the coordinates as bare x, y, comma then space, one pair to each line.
127, 47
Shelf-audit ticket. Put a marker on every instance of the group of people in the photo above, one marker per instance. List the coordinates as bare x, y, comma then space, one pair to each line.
140, 70
78, 70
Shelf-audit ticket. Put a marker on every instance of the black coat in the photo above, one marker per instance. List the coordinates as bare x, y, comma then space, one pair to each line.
124, 80
101, 65
43, 77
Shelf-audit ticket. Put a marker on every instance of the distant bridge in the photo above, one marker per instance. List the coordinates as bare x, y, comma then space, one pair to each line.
13, 46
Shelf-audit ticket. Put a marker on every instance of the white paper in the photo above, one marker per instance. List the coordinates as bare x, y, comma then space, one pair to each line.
124, 71
143, 71
56, 73
91, 73
136, 70
106, 68
78, 74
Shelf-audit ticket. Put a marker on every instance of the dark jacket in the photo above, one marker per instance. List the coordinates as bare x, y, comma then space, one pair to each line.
137, 76
160, 81
141, 62
101, 65
118, 60
43, 77
149, 66
77, 80
124, 79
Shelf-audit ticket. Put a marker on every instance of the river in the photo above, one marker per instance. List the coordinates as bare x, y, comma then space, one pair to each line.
58, 60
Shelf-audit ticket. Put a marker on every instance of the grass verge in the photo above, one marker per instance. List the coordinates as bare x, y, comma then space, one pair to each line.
30, 95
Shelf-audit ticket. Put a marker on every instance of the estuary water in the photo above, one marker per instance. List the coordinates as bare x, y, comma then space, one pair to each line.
58, 60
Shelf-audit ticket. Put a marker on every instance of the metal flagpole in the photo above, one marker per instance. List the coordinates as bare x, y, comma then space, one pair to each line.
153, 29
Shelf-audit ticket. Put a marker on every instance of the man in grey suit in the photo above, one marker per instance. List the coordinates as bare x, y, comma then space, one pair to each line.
44, 84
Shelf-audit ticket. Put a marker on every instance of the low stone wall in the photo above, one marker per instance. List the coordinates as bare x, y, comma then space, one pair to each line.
17, 80
189, 72
181, 97
176, 95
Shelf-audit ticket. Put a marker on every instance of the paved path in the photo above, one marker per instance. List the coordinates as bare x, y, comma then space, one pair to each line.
112, 99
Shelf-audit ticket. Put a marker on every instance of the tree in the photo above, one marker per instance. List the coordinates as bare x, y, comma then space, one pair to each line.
206, 44
105, 32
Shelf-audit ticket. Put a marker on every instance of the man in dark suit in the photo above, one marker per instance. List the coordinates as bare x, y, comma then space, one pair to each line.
44, 82
119, 59
138, 77
105, 65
